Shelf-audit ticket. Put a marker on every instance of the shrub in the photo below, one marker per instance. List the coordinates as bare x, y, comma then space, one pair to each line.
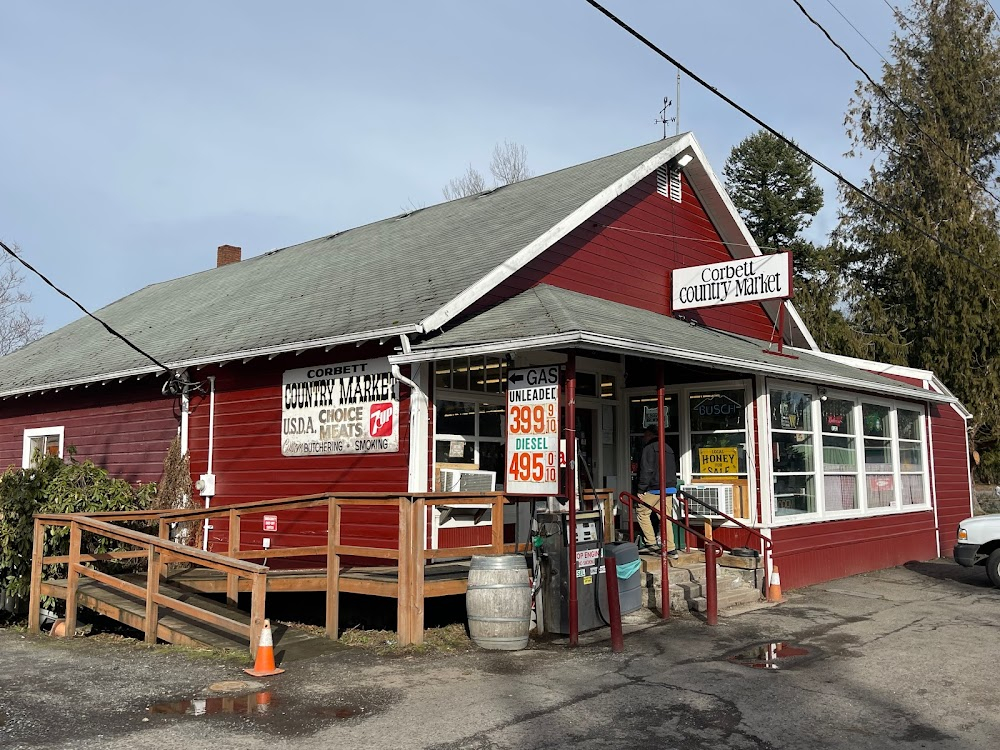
55, 487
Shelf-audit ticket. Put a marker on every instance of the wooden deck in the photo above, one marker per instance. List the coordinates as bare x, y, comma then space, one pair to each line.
440, 579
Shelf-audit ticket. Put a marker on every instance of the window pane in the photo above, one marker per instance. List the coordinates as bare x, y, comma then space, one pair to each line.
841, 493
878, 455
491, 459
442, 374
909, 424
720, 410
875, 419
838, 416
913, 489
881, 491
491, 418
839, 454
791, 410
454, 452
793, 452
608, 386
494, 375
910, 457
642, 413
794, 495
477, 373
460, 374
456, 418
714, 454
586, 384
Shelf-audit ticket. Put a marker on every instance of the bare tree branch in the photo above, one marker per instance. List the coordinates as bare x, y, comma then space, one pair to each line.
509, 163
17, 327
470, 183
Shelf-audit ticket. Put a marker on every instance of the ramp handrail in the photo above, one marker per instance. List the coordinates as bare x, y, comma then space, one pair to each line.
158, 552
766, 545
410, 553
713, 550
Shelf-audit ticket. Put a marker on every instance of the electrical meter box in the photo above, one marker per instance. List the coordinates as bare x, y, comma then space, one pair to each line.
554, 569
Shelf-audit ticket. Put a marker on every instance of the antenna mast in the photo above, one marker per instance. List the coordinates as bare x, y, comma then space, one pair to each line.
677, 107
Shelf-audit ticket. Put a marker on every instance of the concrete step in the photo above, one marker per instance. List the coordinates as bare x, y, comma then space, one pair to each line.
687, 584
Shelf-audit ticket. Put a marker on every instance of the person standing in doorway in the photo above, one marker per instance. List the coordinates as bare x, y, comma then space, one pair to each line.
649, 489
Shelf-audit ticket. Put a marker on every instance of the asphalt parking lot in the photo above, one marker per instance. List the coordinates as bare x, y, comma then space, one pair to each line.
903, 658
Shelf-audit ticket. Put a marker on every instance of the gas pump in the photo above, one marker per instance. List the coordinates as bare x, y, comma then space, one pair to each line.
551, 551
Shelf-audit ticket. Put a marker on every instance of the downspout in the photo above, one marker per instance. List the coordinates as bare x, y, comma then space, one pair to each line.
211, 447
418, 423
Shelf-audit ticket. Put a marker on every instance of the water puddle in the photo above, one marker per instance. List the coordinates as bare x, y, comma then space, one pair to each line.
774, 655
254, 704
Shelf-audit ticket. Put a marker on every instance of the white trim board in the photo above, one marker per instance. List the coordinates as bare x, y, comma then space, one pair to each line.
702, 359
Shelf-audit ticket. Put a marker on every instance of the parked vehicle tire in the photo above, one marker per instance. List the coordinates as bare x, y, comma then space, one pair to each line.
993, 567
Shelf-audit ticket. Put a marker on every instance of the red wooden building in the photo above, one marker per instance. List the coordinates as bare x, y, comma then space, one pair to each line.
376, 357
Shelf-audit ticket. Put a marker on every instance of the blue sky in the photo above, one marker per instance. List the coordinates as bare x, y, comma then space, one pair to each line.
137, 137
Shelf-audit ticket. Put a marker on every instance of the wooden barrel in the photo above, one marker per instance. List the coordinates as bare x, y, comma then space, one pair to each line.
498, 602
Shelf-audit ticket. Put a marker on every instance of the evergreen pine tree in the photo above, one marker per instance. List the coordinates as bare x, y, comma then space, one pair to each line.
921, 304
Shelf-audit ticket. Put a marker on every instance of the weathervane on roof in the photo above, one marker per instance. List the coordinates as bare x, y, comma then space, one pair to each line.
663, 116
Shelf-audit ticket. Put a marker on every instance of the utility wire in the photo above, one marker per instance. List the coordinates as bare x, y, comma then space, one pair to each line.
993, 9
829, 170
898, 14
877, 52
885, 94
108, 328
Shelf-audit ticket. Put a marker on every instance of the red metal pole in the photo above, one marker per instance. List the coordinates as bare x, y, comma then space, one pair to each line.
711, 584
574, 615
664, 566
631, 523
614, 605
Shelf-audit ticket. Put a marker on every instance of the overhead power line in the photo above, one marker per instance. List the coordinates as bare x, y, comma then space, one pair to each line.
108, 328
857, 31
829, 170
885, 95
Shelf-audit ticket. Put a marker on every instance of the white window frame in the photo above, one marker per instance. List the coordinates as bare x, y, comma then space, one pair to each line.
34, 432
863, 511
477, 399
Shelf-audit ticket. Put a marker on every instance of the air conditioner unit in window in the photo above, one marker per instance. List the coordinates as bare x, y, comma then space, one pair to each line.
466, 480
717, 495
465, 516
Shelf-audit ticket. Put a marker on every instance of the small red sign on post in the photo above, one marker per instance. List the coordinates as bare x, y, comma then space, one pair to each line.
270, 523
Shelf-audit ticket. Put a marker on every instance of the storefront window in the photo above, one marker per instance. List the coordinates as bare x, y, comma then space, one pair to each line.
718, 433
642, 414
840, 455
793, 452
470, 434
891, 474
909, 425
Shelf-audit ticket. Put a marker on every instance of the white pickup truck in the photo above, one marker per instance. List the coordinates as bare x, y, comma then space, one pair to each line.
979, 544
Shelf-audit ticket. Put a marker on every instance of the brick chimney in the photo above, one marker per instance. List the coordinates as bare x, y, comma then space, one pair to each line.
228, 254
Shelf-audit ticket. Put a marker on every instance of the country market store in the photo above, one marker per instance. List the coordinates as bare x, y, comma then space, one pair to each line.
376, 358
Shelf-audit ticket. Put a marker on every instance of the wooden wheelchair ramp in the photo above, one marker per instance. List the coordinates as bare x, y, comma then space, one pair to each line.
177, 628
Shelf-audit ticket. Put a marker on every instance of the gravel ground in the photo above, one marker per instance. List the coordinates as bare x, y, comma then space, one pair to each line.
895, 659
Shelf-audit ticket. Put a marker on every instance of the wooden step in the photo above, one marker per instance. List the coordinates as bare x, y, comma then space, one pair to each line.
178, 628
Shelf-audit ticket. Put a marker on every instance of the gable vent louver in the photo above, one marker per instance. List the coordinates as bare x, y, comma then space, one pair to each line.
668, 183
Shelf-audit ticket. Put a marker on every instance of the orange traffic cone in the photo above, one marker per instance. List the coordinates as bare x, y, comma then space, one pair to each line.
774, 590
264, 661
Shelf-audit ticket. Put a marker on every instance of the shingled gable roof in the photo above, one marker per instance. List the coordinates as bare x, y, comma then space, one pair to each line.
404, 275
546, 317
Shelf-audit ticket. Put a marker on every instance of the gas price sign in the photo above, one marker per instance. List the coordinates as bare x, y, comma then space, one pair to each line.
533, 431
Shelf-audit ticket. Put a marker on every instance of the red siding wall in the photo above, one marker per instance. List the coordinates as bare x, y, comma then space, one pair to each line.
124, 427
818, 552
248, 463
626, 252
951, 473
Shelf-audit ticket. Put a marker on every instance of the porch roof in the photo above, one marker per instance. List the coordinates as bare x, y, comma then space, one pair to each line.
549, 317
